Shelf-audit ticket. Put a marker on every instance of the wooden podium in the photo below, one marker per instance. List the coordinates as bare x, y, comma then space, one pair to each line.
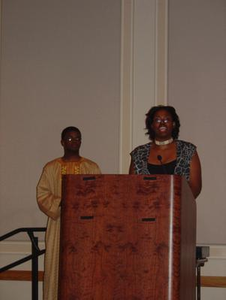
127, 237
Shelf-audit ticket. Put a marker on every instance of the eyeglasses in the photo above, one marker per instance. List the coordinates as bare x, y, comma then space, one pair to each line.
159, 120
70, 139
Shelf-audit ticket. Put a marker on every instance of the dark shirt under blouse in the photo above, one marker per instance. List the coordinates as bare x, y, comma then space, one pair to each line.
162, 169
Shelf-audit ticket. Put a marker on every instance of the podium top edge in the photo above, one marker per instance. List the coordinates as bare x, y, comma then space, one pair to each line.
145, 176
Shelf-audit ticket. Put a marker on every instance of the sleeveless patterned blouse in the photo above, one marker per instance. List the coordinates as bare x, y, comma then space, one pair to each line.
185, 152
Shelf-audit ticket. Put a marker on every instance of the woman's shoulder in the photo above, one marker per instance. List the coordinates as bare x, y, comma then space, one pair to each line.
142, 148
186, 146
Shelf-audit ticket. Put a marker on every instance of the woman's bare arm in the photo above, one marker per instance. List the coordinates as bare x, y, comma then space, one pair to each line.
195, 180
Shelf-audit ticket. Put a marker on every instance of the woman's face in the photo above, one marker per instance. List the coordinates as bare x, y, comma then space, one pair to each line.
162, 125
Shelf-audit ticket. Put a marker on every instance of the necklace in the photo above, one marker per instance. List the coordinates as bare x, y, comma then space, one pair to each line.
164, 142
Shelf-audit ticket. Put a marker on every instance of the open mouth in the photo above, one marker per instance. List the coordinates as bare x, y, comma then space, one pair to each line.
162, 128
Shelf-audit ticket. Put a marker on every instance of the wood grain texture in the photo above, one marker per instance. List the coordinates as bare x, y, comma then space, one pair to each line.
121, 238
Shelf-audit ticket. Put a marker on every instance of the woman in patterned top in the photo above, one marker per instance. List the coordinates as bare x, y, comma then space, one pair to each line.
49, 200
165, 154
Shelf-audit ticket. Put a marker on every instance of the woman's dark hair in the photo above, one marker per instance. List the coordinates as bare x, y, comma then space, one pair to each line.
150, 118
68, 129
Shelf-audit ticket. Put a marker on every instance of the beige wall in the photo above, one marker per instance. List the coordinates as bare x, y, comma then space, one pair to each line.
60, 67
196, 82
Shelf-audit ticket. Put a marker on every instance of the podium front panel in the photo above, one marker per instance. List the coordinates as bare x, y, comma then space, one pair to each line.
121, 238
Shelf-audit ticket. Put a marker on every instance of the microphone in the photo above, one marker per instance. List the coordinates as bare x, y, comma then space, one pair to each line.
159, 157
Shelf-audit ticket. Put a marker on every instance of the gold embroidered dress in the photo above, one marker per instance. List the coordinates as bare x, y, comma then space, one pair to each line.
49, 199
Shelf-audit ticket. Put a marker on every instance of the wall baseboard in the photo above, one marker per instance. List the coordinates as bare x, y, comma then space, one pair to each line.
213, 281
19, 275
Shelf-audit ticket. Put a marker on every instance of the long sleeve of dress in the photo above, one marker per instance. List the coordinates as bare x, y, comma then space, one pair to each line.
48, 194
